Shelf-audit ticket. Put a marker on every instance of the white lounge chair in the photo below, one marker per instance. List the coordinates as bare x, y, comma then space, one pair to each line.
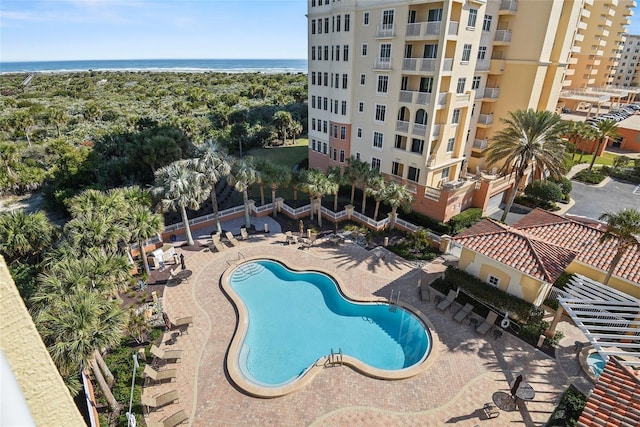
166, 355
463, 312
159, 376
172, 421
231, 238
484, 327
446, 303
244, 234
217, 243
289, 238
154, 402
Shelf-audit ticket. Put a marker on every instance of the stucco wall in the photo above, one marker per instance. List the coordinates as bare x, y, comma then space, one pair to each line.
48, 398
597, 275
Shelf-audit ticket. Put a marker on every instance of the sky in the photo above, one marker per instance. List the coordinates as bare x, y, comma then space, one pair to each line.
45, 30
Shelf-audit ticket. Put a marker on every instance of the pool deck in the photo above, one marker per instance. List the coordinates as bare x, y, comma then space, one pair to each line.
468, 370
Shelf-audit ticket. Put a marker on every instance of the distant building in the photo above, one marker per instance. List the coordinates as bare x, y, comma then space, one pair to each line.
629, 63
417, 88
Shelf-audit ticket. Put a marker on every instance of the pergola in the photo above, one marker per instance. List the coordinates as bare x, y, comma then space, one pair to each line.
610, 319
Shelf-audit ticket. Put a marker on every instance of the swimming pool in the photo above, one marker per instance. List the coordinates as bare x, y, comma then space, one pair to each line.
290, 321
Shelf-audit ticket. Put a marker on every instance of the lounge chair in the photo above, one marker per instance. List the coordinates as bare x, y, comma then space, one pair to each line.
159, 376
182, 324
154, 402
446, 303
172, 421
484, 327
463, 312
166, 355
217, 243
244, 234
231, 238
290, 239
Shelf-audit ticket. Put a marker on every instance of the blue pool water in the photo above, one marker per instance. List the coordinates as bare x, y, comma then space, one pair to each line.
295, 318
596, 363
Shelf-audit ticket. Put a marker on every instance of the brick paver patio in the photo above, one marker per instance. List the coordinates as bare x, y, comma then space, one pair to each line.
468, 372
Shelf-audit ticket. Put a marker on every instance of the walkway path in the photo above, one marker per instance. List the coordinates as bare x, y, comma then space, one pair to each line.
468, 370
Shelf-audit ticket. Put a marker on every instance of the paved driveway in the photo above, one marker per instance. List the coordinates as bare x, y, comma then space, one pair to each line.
592, 201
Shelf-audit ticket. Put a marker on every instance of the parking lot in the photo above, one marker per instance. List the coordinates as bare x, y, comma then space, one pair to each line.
613, 196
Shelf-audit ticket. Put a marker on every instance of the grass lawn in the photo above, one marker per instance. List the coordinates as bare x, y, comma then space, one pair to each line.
606, 159
286, 155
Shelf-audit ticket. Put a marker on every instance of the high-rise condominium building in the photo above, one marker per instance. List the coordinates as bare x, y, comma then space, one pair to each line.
417, 88
629, 63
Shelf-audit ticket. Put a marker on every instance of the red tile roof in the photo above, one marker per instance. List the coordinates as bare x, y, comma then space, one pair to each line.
582, 236
517, 249
615, 400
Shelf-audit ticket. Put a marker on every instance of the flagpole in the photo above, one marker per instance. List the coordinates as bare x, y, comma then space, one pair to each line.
131, 418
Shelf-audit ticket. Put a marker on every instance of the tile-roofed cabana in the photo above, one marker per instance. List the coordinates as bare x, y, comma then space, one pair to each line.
615, 400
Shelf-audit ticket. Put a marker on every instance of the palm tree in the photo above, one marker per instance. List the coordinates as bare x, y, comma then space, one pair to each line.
317, 185
8, 158
239, 131
243, 174
56, 117
334, 173
397, 196
75, 328
282, 120
144, 224
179, 187
356, 171
575, 132
214, 164
275, 176
376, 189
369, 180
23, 121
530, 137
606, 129
95, 229
624, 227
25, 235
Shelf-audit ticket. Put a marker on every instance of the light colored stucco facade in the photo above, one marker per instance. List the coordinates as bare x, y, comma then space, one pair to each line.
46, 395
417, 88
629, 63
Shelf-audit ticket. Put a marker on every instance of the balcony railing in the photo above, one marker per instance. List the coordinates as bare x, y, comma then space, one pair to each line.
433, 28
385, 31
447, 64
414, 29
382, 63
406, 96
419, 129
483, 65
480, 144
485, 119
428, 64
503, 36
509, 5
453, 28
409, 64
491, 92
402, 126
424, 98
436, 131
442, 99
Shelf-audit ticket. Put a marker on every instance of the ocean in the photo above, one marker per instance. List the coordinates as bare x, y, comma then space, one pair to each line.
171, 65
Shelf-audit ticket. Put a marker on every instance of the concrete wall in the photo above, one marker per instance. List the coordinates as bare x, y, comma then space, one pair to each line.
46, 394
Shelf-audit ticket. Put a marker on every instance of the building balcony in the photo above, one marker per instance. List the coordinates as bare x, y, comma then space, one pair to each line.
447, 64
402, 126
382, 63
428, 64
491, 93
578, 37
508, 7
575, 49
496, 66
485, 119
483, 65
385, 31
480, 144
406, 96
419, 130
436, 131
432, 193
582, 25
442, 100
424, 98
503, 36
432, 28
453, 28
409, 64
570, 72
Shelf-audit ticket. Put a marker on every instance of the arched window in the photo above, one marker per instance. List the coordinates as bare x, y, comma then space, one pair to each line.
421, 117
403, 114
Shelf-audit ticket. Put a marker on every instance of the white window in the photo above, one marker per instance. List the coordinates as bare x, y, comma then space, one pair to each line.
364, 49
455, 119
359, 132
462, 81
365, 18
387, 19
343, 109
360, 107
378, 138
482, 52
363, 79
375, 164
383, 84
347, 22
473, 16
445, 173
475, 83
486, 25
345, 79
450, 144
385, 51
466, 52
414, 174
493, 280
341, 156
313, 145
381, 112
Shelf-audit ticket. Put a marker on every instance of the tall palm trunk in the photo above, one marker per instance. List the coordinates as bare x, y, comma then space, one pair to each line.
595, 154
353, 192
216, 216
320, 212
512, 194
245, 200
187, 228
104, 387
375, 213
614, 263
312, 210
335, 202
273, 201
261, 185
364, 201
392, 222
143, 255
104, 368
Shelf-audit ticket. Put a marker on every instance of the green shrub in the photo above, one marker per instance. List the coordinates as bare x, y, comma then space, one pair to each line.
562, 281
565, 184
465, 219
426, 222
546, 191
491, 296
594, 177
569, 409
